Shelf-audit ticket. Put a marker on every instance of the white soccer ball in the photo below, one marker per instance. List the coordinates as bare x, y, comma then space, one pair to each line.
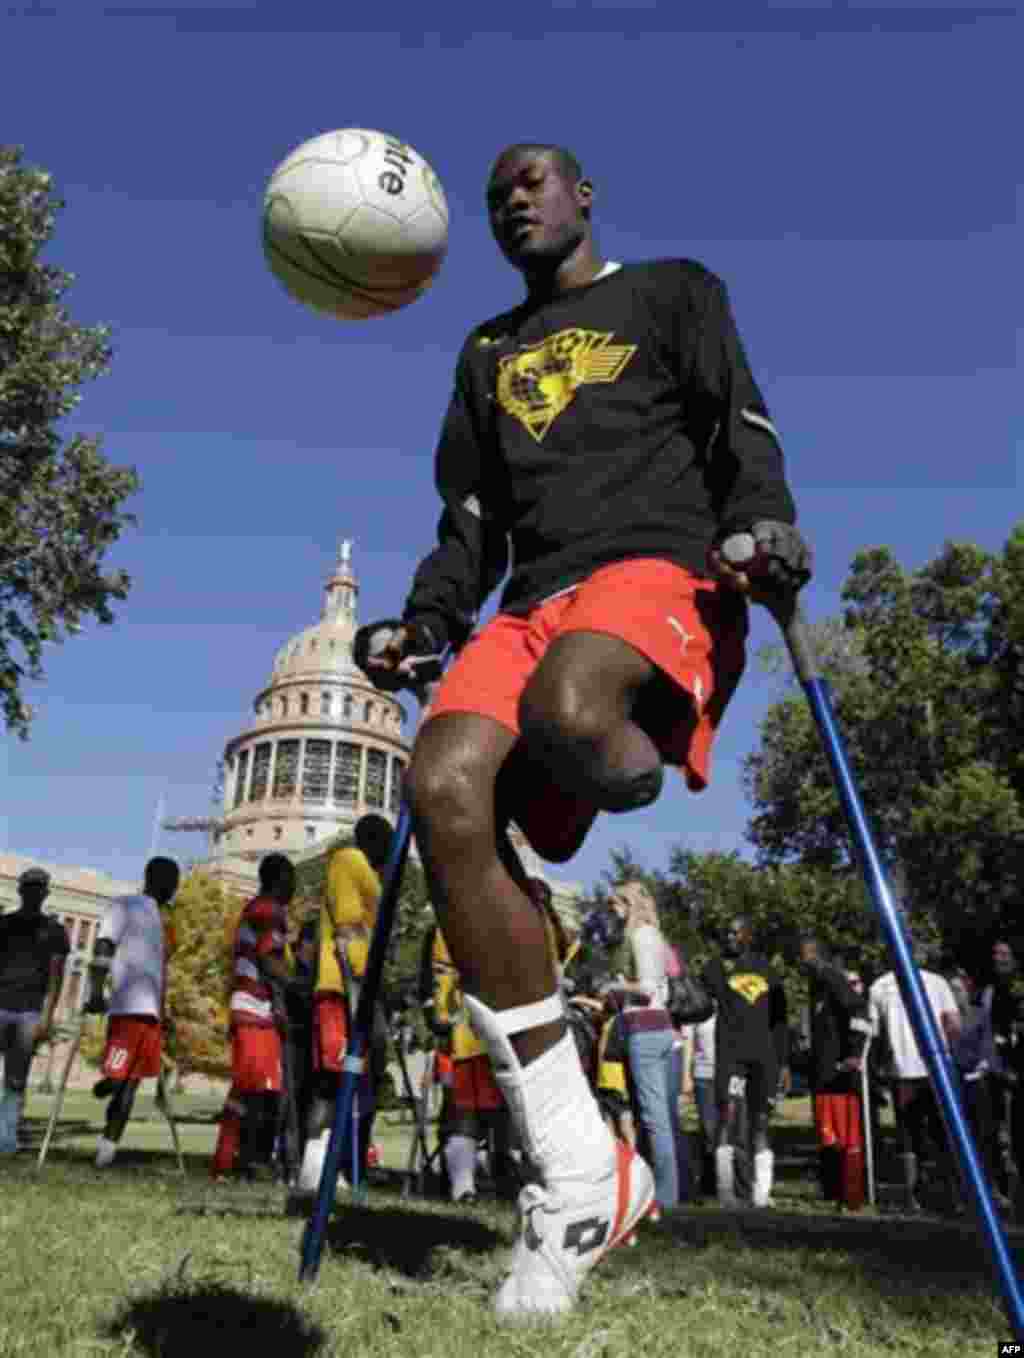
355, 223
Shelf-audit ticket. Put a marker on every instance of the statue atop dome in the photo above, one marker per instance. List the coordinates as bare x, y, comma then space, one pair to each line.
342, 589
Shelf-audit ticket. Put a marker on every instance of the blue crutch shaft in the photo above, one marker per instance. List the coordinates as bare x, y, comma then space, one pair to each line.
355, 1056
919, 1010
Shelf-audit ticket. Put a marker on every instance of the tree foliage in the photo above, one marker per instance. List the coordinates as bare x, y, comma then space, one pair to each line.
199, 973
929, 691
701, 893
60, 500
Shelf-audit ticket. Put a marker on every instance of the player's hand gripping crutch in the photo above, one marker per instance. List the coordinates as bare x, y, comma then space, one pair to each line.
745, 552
417, 677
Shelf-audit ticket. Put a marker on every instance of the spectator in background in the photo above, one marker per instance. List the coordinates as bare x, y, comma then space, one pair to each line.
705, 1101
839, 1029
1000, 1004
973, 1053
751, 1051
33, 950
650, 1037
677, 1064
299, 1005
917, 1113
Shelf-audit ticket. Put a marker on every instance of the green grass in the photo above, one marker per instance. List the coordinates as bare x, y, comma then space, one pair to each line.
139, 1261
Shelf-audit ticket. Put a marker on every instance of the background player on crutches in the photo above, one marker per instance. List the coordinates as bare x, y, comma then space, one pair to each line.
131, 949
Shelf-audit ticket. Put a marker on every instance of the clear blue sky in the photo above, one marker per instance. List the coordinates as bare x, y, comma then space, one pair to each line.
846, 168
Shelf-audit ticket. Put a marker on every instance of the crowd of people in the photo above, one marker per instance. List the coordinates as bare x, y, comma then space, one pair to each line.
641, 1039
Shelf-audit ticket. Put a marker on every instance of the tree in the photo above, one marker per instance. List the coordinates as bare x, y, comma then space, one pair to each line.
60, 502
929, 690
199, 974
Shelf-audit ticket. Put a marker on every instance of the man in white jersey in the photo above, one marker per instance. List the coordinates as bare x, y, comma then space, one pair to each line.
131, 949
917, 1112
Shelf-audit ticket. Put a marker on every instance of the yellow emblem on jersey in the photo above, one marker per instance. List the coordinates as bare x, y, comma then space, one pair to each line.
749, 984
536, 384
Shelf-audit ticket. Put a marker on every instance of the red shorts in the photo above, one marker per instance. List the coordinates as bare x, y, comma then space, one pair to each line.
474, 1089
133, 1047
330, 1032
693, 631
837, 1119
255, 1059
443, 1069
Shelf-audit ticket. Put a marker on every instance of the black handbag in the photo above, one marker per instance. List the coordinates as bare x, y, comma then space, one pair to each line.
688, 1001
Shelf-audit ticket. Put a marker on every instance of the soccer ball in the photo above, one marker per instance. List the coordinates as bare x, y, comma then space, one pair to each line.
355, 223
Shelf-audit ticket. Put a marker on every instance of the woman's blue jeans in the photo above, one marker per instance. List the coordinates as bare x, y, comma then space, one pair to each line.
649, 1053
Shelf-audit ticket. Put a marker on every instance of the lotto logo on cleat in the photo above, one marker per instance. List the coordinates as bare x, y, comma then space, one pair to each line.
584, 1236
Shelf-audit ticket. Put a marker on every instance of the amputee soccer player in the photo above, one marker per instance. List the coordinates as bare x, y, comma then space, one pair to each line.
604, 438
258, 1021
751, 1054
349, 908
840, 1028
131, 949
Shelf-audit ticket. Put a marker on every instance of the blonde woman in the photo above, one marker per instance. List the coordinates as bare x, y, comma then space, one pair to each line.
650, 1037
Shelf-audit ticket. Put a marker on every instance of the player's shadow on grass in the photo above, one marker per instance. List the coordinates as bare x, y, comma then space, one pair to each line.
415, 1244
200, 1317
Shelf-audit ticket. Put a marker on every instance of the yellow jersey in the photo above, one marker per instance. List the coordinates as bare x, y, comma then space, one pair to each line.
448, 1005
353, 892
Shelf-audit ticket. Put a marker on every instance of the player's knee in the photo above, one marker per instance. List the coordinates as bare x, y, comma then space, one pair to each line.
557, 716
450, 799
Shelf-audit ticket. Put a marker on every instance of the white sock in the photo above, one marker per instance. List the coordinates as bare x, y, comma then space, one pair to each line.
105, 1152
764, 1163
551, 1105
725, 1157
460, 1158
313, 1162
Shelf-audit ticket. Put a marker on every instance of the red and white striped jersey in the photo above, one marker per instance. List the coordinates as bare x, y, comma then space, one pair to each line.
262, 932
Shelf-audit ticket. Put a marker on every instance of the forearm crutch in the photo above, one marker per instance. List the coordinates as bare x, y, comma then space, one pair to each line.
926, 1031
58, 1100
420, 679
163, 1102
868, 1126
419, 1151
355, 1057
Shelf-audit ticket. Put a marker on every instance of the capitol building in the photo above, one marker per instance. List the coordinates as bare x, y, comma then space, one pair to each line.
323, 746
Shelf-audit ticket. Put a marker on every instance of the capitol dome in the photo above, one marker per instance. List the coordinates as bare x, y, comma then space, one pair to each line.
323, 746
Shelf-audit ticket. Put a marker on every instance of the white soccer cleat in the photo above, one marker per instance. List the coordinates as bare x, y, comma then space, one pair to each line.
566, 1229
106, 1150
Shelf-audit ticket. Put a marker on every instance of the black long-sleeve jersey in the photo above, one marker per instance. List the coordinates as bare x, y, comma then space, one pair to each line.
839, 1029
615, 420
750, 1005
